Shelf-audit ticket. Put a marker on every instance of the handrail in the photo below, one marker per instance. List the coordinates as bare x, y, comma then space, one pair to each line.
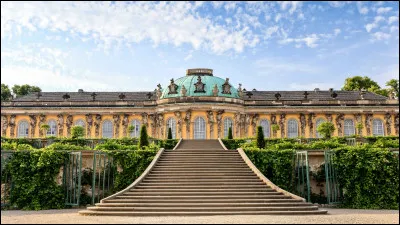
179, 142
263, 178
139, 179
222, 143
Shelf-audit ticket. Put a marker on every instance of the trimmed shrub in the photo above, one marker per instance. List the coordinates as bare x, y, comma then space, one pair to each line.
169, 133
260, 137
77, 132
326, 129
144, 139
230, 136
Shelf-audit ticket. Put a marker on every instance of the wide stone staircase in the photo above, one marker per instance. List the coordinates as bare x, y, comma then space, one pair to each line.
201, 178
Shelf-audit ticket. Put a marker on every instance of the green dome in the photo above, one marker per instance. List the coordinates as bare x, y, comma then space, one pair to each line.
189, 82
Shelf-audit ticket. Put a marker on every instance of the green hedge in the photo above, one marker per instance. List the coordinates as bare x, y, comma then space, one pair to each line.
276, 165
368, 176
34, 179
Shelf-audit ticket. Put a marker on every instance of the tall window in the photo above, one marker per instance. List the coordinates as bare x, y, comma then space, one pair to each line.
80, 122
52, 131
377, 127
292, 128
136, 128
199, 128
265, 126
227, 123
349, 127
23, 129
317, 123
171, 123
107, 129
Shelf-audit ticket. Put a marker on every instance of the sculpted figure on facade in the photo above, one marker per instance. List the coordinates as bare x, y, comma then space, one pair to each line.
125, 122
97, 123
172, 87
89, 124
368, 119
247, 124
12, 125
32, 123
160, 123
303, 123
396, 123
240, 91
188, 116
179, 122
117, 120
242, 124
158, 91
60, 121
4, 124
273, 121
282, 123
219, 121
226, 87
388, 121
237, 124
329, 117
144, 119
68, 123
153, 123
199, 85
215, 90
310, 122
210, 118
183, 91
339, 123
358, 118
42, 119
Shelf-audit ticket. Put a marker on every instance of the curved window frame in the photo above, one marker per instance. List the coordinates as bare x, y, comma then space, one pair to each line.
377, 129
349, 128
292, 128
23, 129
199, 128
317, 123
107, 129
80, 122
228, 122
264, 123
136, 130
52, 131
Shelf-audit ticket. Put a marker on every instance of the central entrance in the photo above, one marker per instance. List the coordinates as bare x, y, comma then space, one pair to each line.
199, 128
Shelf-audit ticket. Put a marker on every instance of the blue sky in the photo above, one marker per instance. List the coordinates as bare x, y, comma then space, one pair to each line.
133, 46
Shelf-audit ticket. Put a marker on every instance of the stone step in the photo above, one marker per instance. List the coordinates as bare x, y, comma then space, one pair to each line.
203, 209
192, 192
201, 179
209, 213
182, 186
195, 183
177, 199
205, 196
195, 176
202, 204
201, 166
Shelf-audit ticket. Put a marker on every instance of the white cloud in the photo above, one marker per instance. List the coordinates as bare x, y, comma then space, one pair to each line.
309, 40
134, 22
294, 5
337, 31
393, 19
362, 9
337, 4
382, 10
374, 24
188, 57
380, 36
312, 86
270, 31
393, 29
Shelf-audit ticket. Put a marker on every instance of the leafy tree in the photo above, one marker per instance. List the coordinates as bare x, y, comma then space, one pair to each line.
77, 132
326, 129
131, 128
260, 137
144, 139
5, 93
169, 133
393, 85
275, 128
358, 83
44, 128
359, 126
21, 90
230, 136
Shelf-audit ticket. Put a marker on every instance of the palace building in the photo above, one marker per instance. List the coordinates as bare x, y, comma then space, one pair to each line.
200, 106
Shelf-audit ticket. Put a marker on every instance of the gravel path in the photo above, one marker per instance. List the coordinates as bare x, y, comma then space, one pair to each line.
71, 216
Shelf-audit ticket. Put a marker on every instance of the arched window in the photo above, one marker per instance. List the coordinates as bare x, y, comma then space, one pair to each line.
292, 128
199, 128
377, 127
23, 129
227, 123
80, 122
171, 123
265, 126
349, 127
317, 123
107, 129
52, 131
136, 128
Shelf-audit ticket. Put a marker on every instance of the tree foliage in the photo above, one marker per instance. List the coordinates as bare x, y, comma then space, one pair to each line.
393, 85
21, 90
230, 136
326, 129
144, 139
5, 93
358, 83
169, 133
77, 132
260, 137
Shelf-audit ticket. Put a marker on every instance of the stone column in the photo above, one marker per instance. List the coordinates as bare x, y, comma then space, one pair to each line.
125, 122
273, 121
32, 119
303, 124
179, 123
328, 117
310, 121
396, 123
68, 123
97, 123
60, 125
247, 123
388, 122
153, 124
282, 122
89, 124
254, 120
237, 125
219, 122
242, 125
145, 120
188, 117
358, 119
339, 124
368, 119
210, 117
12, 125
42, 119
116, 120
4, 125
160, 122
